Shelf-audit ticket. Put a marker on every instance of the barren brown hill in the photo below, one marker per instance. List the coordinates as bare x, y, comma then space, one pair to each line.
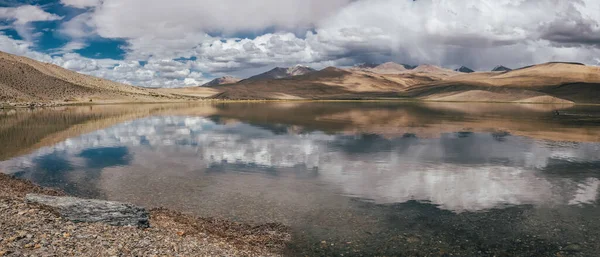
329, 83
186, 92
26, 80
557, 83
385, 68
547, 74
544, 83
433, 70
221, 81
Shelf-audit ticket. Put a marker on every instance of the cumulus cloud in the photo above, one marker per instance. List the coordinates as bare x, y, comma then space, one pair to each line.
21, 16
26, 14
125, 19
156, 73
78, 27
81, 3
233, 54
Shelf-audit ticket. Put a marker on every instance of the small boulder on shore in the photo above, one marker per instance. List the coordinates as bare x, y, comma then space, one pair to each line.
86, 210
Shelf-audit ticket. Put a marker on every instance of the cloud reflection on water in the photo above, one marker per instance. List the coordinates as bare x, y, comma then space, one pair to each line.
456, 171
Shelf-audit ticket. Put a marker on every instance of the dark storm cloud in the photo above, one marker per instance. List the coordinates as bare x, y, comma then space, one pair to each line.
573, 32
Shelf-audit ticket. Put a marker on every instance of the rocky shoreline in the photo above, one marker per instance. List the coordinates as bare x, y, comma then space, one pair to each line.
33, 229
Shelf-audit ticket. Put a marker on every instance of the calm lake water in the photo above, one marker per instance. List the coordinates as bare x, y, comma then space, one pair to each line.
349, 178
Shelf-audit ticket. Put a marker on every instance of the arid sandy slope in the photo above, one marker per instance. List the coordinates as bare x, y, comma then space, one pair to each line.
26, 80
544, 83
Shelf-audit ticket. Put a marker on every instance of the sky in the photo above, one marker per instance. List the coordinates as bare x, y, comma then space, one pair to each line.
175, 43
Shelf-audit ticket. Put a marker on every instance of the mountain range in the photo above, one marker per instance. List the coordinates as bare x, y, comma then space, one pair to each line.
383, 68
501, 68
559, 83
280, 73
221, 81
25, 81
464, 69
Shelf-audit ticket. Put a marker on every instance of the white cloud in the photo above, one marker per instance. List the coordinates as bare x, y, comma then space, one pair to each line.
78, 27
191, 82
81, 3
156, 73
21, 16
27, 13
218, 56
21, 47
125, 19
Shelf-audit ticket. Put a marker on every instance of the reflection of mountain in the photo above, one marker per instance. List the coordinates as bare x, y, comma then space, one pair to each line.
457, 171
426, 120
24, 131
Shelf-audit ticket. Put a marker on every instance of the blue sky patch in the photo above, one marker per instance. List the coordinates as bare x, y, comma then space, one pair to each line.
47, 39
104, 49
100, 158
184, 59
12, 34
15, 3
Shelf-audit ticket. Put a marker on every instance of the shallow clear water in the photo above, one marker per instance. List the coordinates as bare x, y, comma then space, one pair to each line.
349, 178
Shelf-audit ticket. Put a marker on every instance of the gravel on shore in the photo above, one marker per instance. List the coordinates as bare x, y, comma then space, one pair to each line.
28, 229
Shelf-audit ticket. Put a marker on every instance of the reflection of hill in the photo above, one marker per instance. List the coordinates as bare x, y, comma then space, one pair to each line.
573, 123
25, 130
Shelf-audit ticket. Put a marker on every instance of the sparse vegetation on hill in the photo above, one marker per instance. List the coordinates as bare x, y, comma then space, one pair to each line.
26, 80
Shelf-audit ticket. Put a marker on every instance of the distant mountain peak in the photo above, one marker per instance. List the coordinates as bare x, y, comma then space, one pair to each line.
332, 69
409, 67
464, 69
371, 65
427, 68
221, 81
366, 65
384, 68
501, 68
281, 72
299, 70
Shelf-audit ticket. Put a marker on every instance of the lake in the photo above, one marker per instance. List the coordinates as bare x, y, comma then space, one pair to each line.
351, 178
